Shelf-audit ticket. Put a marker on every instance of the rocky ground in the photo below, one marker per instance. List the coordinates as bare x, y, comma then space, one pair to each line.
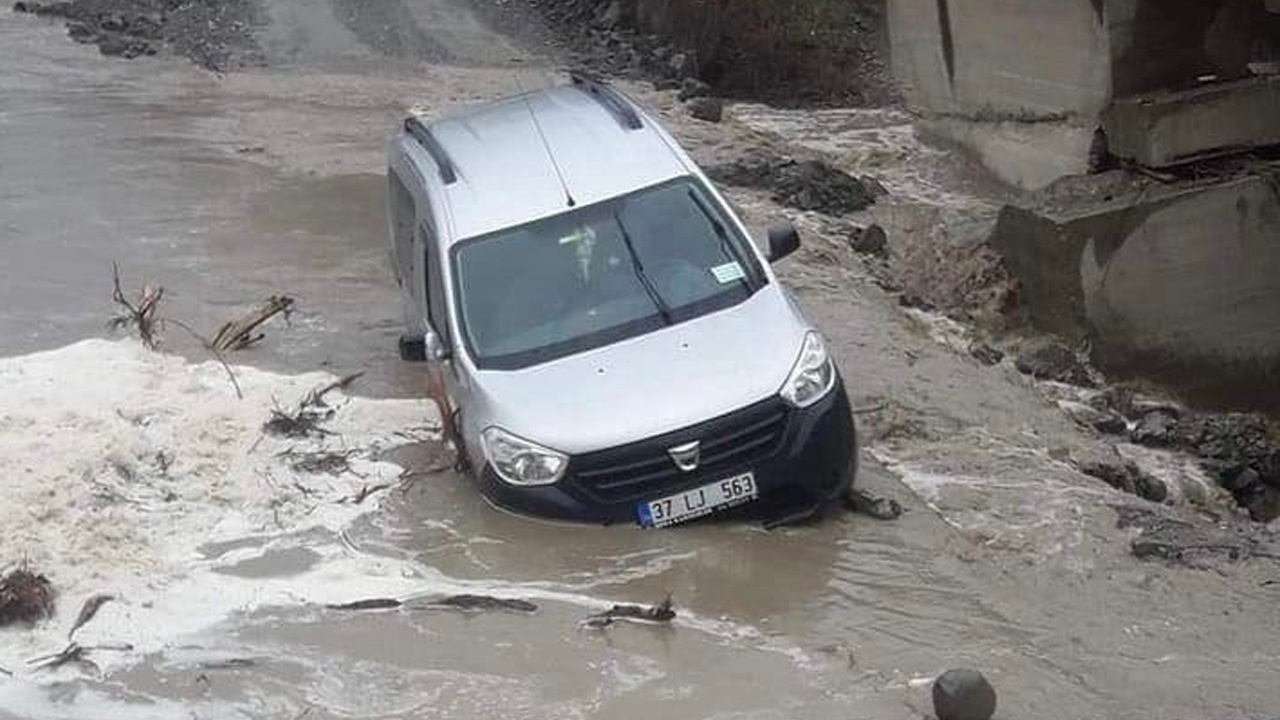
214, 34
825, 53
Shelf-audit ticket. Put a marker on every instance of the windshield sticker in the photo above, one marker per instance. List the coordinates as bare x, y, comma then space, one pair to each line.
728, 272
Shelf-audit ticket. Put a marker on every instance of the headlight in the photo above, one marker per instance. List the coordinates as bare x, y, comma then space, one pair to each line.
520, 462
812, 377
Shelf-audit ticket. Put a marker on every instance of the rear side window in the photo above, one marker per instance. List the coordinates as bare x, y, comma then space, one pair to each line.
436, 310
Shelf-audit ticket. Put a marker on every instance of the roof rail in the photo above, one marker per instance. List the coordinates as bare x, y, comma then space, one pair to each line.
613, 101
419, 132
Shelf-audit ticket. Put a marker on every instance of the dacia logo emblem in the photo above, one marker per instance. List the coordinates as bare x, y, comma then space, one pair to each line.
687, 456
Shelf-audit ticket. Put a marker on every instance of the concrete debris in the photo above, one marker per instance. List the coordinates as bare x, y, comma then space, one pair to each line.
707, 109
1048, 359
25, 597
963, 694
801, 184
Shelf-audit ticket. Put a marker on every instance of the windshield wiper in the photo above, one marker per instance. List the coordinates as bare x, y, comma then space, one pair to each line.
638, 267
723, 235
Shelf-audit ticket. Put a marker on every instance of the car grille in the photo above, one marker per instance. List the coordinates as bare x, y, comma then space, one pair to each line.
644, 470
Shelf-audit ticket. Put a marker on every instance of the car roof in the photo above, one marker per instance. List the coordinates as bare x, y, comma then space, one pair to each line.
530, 156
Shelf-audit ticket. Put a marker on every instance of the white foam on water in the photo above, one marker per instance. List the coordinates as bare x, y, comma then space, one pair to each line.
122, 464
137, 474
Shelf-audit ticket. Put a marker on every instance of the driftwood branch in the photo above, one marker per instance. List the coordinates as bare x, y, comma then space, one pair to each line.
142, 314
242, 332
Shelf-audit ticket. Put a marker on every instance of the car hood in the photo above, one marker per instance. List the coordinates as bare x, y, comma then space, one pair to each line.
651, 384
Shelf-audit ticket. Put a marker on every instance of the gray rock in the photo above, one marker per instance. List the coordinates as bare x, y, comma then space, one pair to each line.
1107, 421
985, 354
691, 88
1155, 428
1048, 359
1118, 475
680, 65
666, 84
871, 240
1150, 487
963, 694
874, 186
707, 108
1263, 503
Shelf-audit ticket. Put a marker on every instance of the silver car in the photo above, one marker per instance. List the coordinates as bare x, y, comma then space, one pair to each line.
617, 348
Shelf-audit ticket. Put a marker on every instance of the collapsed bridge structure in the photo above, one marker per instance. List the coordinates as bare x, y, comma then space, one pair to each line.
1149, 134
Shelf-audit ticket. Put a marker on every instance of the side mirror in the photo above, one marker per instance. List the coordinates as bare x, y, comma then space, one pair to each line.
783, 240
435, 348
423, 348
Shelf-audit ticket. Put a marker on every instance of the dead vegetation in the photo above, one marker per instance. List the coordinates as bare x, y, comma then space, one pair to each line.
87, 612
142, 315
26, 597
312, 411
243, 332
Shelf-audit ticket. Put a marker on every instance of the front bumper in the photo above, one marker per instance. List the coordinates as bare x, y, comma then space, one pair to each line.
801, 458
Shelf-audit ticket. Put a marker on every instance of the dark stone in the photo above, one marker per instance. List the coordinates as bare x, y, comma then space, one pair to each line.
112, 23
666, 84
1263, 503
912, 299
963, 695
81, 32
874, 186
691, 88
805, 185
1102, 420
985, 354
871, 240
877, 507
708, 109
1240, 480
1149, 487
21, 7
1120, 476
1111, 423
1048, 359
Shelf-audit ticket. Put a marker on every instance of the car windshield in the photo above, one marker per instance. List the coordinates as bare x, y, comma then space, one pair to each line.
599, 274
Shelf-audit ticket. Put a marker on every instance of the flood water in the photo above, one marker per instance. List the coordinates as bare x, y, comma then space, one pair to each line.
228, 189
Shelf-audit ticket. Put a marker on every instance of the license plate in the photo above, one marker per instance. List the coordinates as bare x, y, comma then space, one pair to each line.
699, 501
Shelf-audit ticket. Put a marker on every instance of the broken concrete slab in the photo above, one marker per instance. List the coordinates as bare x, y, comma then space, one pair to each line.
1177, 281
1171, 128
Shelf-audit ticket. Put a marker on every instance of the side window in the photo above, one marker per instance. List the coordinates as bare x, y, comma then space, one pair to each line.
437, 311
402, 227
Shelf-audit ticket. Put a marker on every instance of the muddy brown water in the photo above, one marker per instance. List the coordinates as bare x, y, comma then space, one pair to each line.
228, 189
